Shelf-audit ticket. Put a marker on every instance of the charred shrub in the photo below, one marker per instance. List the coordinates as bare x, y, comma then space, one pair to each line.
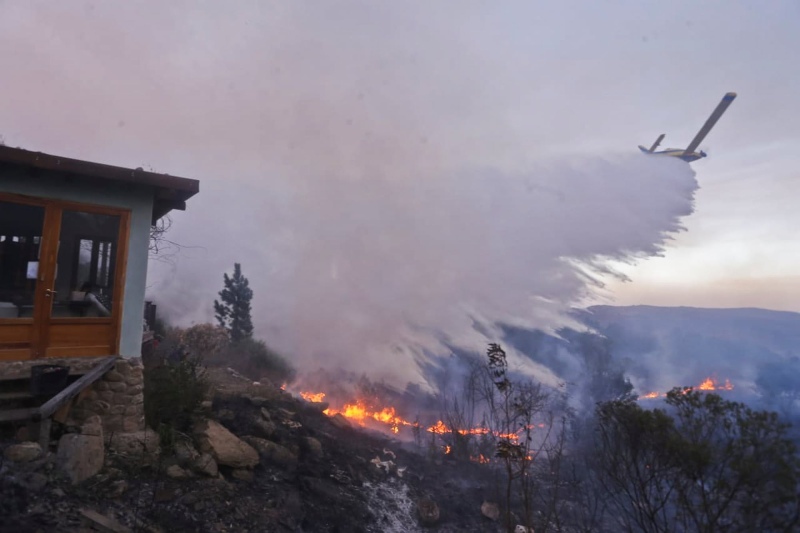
174, 394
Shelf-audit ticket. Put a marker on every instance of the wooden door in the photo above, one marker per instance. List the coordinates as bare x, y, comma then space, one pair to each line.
22, 229
74, 304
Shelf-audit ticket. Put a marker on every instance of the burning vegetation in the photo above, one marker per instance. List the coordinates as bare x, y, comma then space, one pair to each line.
557, 469
708, 384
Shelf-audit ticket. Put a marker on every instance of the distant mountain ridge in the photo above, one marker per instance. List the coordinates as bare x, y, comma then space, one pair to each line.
662, 347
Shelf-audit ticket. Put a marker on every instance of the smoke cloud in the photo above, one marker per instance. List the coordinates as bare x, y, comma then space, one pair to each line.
367, 274
392, 178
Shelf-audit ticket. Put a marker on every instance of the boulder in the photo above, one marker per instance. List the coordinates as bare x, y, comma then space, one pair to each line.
24, 452
428, 512
243, 475
117, 488
258, 401
80, 456
92, 426
490, 510
136, 443
314, 447
272, 452
185, 453
34, 481
176, 472
206, 465
225, 447
340, 421
264, 428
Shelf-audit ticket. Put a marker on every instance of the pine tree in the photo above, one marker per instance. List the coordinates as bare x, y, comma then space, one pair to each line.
233, 313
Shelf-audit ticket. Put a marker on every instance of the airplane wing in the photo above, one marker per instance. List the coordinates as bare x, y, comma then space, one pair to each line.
721, 107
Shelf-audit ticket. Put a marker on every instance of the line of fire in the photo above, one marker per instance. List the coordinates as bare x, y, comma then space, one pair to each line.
388, 420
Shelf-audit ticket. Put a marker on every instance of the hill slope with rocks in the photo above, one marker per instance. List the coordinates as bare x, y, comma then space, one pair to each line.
262, 460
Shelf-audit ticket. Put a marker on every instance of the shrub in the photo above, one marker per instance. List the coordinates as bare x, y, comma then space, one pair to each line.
254, 358
205, 340
174, 394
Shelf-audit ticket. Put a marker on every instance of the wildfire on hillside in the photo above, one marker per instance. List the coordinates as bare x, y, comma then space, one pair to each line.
358, 411
708, 384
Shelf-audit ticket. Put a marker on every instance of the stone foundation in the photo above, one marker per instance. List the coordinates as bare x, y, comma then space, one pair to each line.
117, 398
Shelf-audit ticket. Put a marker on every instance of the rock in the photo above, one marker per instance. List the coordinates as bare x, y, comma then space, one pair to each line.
92, 426
272, 452
96, 521
340, 421
133, 423
123, 368
80, 456
117, 489
24, 452
428, 512
314, 447
225, 447
264, 428
113, 376
206, 465
258, 401
523, 529
285, 413
165, 494
176, 472
22, 434
135, 444
35, 482
243, 475
266, 415
490, 510
185, 453
226, 415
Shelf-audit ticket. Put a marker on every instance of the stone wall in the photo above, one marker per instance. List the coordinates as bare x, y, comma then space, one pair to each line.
117, 398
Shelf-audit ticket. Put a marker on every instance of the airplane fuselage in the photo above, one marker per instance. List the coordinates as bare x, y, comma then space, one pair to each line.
676, 152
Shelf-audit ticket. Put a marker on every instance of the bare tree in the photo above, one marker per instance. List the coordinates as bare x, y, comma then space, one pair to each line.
161, 248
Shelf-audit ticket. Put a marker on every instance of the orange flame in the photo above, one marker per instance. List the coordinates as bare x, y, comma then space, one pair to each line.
708, 384
313, 397
361, 413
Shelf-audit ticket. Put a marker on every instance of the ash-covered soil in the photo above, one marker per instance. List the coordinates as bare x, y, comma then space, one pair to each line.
316, 474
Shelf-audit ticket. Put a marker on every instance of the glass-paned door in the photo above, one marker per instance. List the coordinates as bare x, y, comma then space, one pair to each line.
61, 278
21, 230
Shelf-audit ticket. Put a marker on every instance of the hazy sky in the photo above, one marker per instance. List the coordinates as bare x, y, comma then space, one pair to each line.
397, 120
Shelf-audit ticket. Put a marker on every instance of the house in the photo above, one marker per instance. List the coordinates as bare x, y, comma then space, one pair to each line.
74, 241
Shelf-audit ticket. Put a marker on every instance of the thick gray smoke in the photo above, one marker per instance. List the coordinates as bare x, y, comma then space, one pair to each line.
365, 274
388, 174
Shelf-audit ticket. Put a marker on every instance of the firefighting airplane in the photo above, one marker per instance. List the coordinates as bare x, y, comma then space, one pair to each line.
689, 153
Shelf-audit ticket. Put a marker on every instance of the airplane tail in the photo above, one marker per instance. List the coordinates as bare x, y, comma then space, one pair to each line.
657, 143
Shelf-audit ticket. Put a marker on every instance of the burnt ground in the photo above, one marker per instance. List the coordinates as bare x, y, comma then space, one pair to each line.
323, 480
